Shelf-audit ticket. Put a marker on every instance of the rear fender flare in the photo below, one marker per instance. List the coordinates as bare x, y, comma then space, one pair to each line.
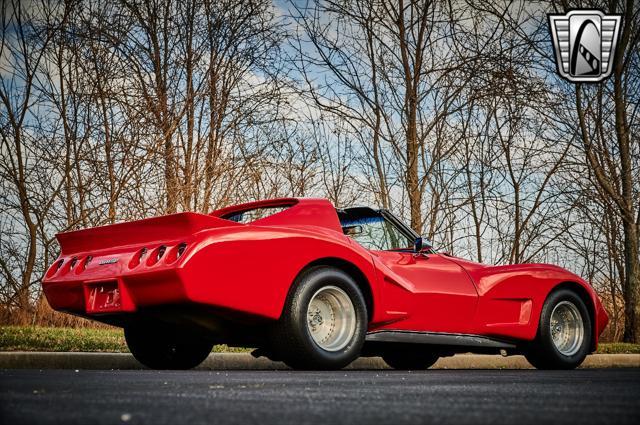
362, 280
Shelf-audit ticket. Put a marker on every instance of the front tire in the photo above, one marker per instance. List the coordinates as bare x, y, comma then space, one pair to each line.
564, 333
324, 321
164, 349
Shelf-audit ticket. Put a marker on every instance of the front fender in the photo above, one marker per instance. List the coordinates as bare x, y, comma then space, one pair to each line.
511, 297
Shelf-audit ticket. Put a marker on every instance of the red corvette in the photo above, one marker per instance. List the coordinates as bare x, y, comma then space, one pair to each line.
315, 287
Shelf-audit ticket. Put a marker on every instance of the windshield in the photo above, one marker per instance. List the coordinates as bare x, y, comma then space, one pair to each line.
374, 232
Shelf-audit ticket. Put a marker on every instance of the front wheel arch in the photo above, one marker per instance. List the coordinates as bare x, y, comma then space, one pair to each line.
584, 295
543, 352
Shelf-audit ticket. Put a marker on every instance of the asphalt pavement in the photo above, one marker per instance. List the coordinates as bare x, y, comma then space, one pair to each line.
586, 396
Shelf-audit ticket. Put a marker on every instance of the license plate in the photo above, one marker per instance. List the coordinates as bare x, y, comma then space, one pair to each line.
104, 297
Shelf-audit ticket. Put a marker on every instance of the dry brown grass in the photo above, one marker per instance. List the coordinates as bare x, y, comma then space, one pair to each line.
615, 329
43, 315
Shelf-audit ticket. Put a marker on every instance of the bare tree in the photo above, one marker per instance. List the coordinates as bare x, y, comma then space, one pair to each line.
22, 47
450, 113
615, 162
387, 66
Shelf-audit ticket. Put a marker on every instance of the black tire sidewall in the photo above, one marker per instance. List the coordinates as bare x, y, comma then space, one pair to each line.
545, 350
307, 285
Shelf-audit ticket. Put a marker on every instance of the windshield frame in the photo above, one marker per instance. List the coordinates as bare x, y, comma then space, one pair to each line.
398, 224
391, 219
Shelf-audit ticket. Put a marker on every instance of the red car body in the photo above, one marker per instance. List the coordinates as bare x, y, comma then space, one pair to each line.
213, 272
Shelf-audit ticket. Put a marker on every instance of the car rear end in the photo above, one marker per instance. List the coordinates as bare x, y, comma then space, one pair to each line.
113, 270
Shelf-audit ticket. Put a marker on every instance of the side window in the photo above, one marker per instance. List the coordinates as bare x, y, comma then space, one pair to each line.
375, 233
255, 214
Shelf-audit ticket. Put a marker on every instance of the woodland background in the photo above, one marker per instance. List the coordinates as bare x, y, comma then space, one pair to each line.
449, 113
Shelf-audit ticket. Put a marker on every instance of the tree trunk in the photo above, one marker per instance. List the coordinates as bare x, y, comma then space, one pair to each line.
631, 259
413, 187
411, 71
632, 278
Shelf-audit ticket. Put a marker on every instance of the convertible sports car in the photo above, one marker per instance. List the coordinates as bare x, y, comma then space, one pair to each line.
315, 287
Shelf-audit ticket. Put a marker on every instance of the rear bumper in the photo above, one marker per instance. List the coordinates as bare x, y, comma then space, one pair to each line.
135, 292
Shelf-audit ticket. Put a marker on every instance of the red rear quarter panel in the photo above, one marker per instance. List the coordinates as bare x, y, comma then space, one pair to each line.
252, 269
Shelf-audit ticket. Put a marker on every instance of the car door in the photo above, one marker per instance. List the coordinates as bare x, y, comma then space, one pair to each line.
427, 292
422, 291
433, 293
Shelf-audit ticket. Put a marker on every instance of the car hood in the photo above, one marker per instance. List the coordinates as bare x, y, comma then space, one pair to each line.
475, 266
486, 276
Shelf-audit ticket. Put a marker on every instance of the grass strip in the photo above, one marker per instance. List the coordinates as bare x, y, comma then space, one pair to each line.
111, 340
105, 340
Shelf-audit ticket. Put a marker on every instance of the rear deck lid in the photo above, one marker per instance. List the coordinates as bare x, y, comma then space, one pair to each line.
168, 227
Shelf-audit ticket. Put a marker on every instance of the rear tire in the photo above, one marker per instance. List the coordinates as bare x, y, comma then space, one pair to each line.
324, 321
410, 358
564, 333
161, 349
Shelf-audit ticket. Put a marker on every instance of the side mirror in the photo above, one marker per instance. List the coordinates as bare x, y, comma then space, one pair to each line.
421, 244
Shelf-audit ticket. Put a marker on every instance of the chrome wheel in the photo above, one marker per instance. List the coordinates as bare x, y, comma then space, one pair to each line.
331, 318
567, 328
